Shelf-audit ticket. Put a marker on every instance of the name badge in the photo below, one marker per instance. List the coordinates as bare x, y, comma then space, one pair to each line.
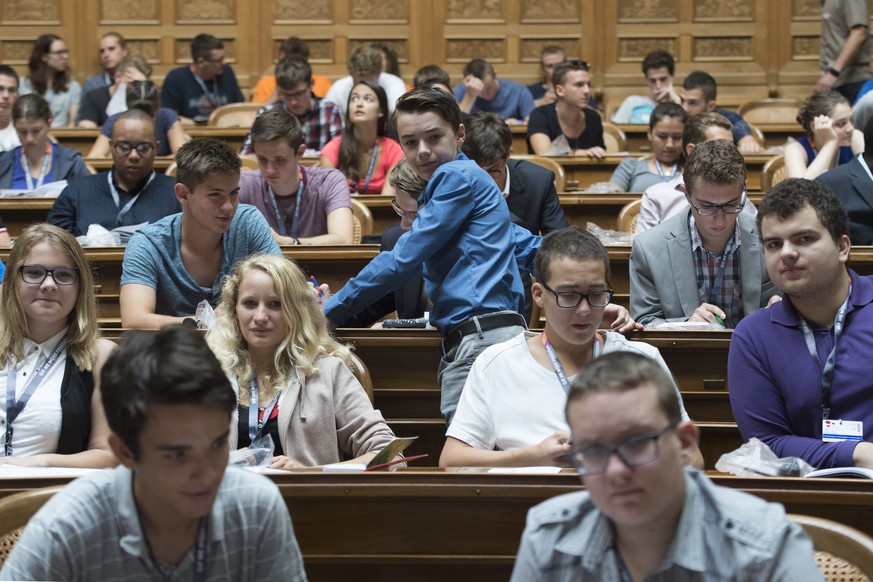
838, 430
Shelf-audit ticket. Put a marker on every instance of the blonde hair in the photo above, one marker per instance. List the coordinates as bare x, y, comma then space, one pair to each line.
308, 337
82, 332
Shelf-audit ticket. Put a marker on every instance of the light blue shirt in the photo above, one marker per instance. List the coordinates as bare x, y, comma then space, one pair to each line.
469, 249
154, 258
512, 100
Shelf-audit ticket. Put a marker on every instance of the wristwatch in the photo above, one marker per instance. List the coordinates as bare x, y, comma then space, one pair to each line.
833, 71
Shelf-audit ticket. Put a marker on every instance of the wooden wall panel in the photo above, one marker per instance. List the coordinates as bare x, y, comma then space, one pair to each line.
754, 48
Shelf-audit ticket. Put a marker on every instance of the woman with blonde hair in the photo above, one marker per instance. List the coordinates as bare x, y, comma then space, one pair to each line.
293, 379
51, 355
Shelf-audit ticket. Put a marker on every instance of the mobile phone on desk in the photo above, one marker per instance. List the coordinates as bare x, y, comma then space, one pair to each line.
420, 322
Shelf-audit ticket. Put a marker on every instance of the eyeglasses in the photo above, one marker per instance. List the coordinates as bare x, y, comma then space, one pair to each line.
295, 94
403, 213
123, 148
570, 299
62, 52
712, 209
35, 275
634, 451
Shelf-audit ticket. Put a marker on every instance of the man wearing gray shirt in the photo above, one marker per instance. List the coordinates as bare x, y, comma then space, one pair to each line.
645, 515
172, 511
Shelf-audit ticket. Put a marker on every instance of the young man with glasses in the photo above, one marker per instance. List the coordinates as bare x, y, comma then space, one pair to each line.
706, 264
198, 89
320, 119
644, 514
130, 194
511, 409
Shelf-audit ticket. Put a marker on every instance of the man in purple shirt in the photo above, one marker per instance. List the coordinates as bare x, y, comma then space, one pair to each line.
799, 372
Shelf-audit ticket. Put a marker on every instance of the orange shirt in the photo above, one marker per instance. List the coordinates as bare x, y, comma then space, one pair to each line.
265, 87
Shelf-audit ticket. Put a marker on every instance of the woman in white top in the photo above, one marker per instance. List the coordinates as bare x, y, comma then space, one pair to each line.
51, 355
50, 77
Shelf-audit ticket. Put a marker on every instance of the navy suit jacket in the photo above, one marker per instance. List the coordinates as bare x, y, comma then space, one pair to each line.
854, 188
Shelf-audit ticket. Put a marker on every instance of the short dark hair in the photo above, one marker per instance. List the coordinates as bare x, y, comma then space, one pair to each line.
564, 67
716, 162
479, 68
277, 124
789, 196
425, 99
696, 127
364, 60
203, 157
551, 49
294, 47
430, 74
667, 110
8, 71
121, 41
143, 95
31, 106
202, 46
572, 243
659, 59
172, 366
487, 139
291, 71
703, 81
624, 371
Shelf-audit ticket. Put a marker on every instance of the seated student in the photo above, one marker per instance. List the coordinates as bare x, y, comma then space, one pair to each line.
52, 354
705, 264
665, 135
658, 69
302, 205
363, 152
175, 263
665, 199
45, 162
644, 514
50, 78
543, 91
432, 75
569, 117
266, 91
804, 361
131, 193
98, 104
831, 139
293, 380
321, 119
510, 412
481, 91
196, 90
113, 51
852, 183
168, 128
390, 62
365, 62
8, 95
699, 92
174, 508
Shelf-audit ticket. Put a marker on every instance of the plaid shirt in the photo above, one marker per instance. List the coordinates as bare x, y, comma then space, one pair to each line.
320, 124
729, 296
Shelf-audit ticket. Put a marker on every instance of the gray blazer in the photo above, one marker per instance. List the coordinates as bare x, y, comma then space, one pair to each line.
663, 282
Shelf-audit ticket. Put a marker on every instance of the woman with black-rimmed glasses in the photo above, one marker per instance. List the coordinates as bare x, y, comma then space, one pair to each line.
51, 354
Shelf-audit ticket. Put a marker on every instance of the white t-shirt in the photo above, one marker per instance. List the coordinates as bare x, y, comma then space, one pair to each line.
9, 138
338, 94
511, 401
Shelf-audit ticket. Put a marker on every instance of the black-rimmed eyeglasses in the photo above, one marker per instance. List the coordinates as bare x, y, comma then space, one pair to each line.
633, 452
570, 299
35, 275
123, 148
712, 209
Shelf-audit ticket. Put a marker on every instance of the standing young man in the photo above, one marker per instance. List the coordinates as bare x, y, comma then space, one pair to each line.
172, 511
173, 264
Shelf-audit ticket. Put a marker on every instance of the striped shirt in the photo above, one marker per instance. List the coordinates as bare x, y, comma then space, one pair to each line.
728, 295
320, 124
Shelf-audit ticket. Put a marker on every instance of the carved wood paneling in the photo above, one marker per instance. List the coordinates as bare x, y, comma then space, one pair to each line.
295, 10
30, 11
557, 10
531, 48
16, 52
149, 49
809, 8
719, 10
400, 46
635, 49
721, 48
129, 10
461, 10
805, 48
205, 10
648, 11
463, 50
394, 10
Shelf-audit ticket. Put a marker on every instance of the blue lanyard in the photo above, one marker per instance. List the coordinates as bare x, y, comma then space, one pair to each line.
664, 177
43, 171
200, 552
115, 197
722, 265
370, 168
596, 350
280, 216
203, 86
13, 407
256, 421
827, 372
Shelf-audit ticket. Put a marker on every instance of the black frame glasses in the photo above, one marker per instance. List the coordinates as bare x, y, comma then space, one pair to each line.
35, 274
633, 452
564, 298
123, 148
712, 209
403, 213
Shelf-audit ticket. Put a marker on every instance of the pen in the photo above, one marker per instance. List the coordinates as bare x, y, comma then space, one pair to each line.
717, 318
394, 462
315, 284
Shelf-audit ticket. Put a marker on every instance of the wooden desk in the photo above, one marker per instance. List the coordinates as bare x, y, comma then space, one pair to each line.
82, 140
466, 524
104, 164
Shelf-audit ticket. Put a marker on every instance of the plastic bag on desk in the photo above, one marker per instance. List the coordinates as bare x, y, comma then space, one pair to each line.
603, 188
258, 455
98, 236
559, 147
205, 315
610, 237
755, 459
